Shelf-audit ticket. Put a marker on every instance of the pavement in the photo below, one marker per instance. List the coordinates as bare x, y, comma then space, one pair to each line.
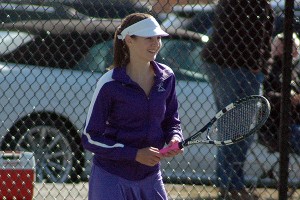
79, 191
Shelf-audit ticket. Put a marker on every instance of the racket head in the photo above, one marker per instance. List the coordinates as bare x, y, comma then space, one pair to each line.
234, 123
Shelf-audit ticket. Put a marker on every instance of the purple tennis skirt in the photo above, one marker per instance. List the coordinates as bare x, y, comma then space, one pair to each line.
106, 186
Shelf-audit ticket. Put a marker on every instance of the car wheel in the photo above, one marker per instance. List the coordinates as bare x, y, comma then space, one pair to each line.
56, 151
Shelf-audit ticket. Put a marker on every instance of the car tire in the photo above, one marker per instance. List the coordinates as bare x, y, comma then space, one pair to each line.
55, 143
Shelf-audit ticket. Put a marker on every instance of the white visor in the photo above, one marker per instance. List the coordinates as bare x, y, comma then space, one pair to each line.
146, 28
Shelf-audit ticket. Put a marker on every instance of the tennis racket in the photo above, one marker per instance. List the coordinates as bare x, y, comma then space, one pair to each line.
232, 124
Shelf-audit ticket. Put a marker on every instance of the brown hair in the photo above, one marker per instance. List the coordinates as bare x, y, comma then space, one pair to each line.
121, 51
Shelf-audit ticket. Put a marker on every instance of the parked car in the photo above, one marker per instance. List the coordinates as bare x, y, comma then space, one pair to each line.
95, 8
12, 12
109, 9
199, 17
48, 72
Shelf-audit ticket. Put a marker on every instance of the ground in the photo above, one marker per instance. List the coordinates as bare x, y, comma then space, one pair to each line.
176, 192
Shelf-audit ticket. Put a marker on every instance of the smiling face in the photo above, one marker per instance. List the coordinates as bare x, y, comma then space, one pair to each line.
143, 48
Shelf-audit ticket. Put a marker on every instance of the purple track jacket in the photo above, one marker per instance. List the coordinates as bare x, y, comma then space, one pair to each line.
122, 119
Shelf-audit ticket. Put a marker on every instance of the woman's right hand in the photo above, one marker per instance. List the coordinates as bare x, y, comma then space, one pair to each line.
149, 156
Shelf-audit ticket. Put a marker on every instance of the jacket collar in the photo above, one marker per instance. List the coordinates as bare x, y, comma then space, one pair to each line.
162, 72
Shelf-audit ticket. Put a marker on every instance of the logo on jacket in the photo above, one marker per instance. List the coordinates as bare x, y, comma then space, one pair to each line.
160, 87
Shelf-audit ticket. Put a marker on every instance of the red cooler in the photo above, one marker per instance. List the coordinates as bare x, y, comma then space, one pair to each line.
17, 175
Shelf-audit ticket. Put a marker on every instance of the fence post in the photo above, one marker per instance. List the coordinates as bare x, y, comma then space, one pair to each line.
286, 102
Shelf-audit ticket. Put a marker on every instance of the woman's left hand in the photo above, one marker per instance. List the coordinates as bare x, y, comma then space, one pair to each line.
173, 153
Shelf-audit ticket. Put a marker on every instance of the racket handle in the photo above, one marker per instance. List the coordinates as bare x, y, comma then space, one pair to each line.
174, 146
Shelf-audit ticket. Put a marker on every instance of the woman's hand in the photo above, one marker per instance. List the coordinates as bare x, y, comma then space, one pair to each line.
173, 153
149, 156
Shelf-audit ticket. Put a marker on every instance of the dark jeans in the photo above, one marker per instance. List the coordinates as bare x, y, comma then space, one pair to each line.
229, 85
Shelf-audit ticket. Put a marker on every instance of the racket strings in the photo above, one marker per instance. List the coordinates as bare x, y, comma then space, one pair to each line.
240, 121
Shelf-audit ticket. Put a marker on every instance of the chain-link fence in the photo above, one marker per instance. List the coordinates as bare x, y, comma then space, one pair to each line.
53, 52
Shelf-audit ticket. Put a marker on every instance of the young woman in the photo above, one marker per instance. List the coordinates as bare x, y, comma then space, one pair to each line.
133, 114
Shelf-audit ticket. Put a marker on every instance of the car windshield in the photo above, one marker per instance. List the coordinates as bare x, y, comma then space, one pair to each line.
181, 55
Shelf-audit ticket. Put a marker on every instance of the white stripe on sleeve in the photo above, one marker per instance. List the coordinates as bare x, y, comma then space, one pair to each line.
107, 77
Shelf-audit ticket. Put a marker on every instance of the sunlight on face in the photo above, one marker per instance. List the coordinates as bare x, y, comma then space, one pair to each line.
145, 48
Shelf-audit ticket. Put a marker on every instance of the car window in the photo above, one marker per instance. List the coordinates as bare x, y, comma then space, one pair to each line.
183, 56
52, 51
44, 49
11, 40
98, 58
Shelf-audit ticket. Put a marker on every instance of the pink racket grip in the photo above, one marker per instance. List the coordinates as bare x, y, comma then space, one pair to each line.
174, 146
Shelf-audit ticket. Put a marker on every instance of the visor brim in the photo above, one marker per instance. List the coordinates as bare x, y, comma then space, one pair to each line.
151, 32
